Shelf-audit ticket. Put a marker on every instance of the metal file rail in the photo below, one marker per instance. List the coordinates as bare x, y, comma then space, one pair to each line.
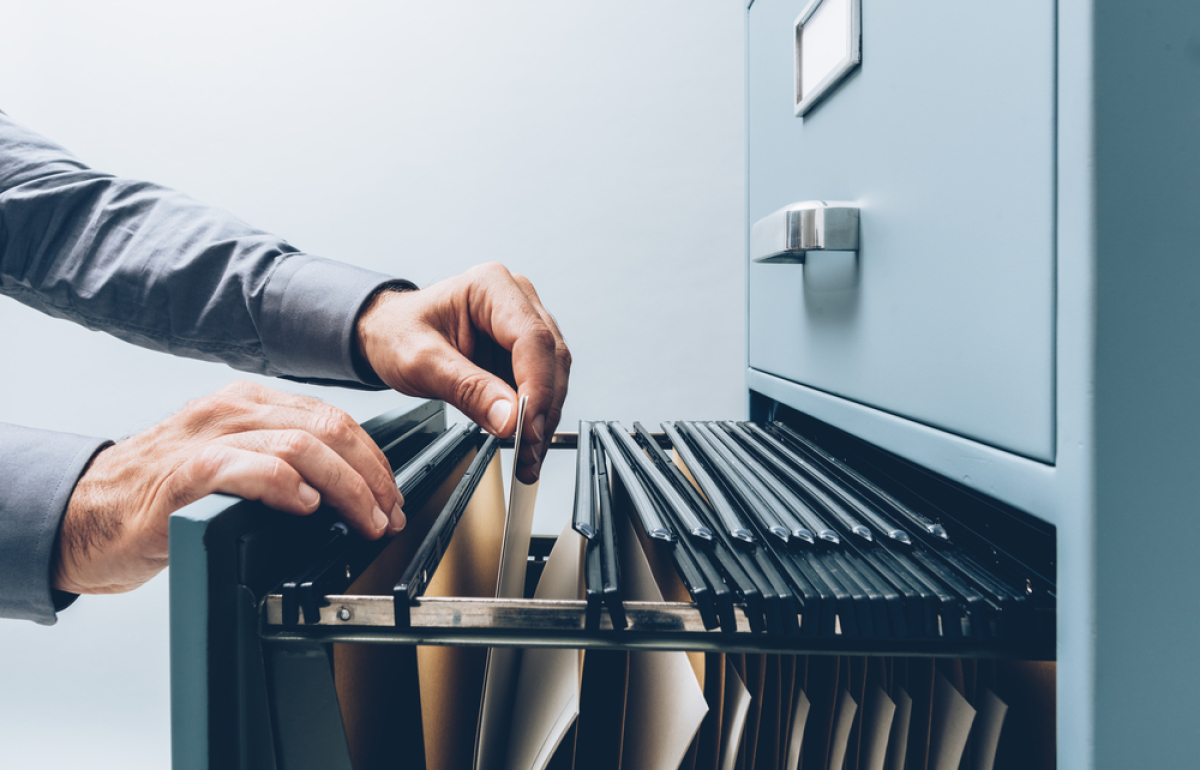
541, 623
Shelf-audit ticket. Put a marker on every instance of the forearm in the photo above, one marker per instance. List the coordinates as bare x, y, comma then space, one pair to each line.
38, 473
154, 267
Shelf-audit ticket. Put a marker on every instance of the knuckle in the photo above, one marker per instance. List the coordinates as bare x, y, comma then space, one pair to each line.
540, 334
470, 390
361, 490
293, 443
492, 270
201, 410
207, 463
219, 408
349, 488
333, 477
278, 472
335, 425
241, 388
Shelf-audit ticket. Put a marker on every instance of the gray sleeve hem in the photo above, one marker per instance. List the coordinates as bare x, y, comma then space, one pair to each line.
310, 306
40, 469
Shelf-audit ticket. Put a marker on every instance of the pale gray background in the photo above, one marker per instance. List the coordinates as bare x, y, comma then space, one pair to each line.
596, 147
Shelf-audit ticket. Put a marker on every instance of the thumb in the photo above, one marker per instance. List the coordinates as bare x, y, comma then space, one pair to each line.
480, 395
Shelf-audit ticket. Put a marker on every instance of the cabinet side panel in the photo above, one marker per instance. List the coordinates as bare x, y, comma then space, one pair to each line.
1147, 167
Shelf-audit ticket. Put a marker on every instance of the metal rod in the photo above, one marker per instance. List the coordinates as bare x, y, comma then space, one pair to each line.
530, 623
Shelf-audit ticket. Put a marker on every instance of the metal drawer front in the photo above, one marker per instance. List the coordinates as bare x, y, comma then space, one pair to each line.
944, 140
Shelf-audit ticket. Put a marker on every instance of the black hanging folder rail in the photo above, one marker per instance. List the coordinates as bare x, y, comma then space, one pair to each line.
345, 555
610, 569
421, 569
779, 544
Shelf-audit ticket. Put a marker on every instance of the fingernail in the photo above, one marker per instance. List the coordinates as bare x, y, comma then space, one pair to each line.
498, 415
539, 427
308, 495
379, 519
398, 518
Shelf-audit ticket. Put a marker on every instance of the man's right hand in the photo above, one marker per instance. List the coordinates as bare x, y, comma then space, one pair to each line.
247, 440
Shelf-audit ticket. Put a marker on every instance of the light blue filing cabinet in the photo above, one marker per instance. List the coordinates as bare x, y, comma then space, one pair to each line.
1021, 313
976, 247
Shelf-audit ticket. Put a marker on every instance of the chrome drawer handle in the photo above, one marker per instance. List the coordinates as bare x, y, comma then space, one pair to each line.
787, 235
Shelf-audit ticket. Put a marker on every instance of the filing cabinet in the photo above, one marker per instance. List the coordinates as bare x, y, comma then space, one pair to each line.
1019, 316
1020, 312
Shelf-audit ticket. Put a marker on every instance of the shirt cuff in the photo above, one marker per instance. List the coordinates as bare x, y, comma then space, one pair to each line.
310, 307
39, 469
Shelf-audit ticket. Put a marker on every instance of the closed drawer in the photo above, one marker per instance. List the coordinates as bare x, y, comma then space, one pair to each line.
945, 139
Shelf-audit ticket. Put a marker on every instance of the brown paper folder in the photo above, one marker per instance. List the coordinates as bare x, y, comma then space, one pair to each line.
671, 589
378, 684
844, 716
1028, 740
766, 756
452, 677
708, 753
738, 662
755, 679
665, 705
950, 723
952, 669
793, 759
857, 687
546, 698
787, 683
502, 663
878, 712
985, 735
897, 751
797, 714
876, 720
920, 689
733, 721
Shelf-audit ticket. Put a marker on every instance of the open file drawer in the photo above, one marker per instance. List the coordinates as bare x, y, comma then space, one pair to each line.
251, 690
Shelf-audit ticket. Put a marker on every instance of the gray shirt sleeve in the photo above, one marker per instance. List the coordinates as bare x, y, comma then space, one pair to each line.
161, 270
39, 470
156, 268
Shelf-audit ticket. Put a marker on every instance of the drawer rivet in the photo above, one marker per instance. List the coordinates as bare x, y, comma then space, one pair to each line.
344, 613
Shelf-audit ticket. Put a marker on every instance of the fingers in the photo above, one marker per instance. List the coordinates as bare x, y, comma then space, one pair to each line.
339, 483
501, 308
241, 472
443, 372
545, 424
508, 309
337, 423
336, 430
332, 427
464, 340
289, 470
290, 452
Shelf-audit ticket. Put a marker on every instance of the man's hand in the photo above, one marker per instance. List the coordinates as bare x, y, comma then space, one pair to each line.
288, 451
470, 341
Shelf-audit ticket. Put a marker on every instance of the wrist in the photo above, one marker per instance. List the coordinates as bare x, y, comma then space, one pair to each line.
366, 323
94, 537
